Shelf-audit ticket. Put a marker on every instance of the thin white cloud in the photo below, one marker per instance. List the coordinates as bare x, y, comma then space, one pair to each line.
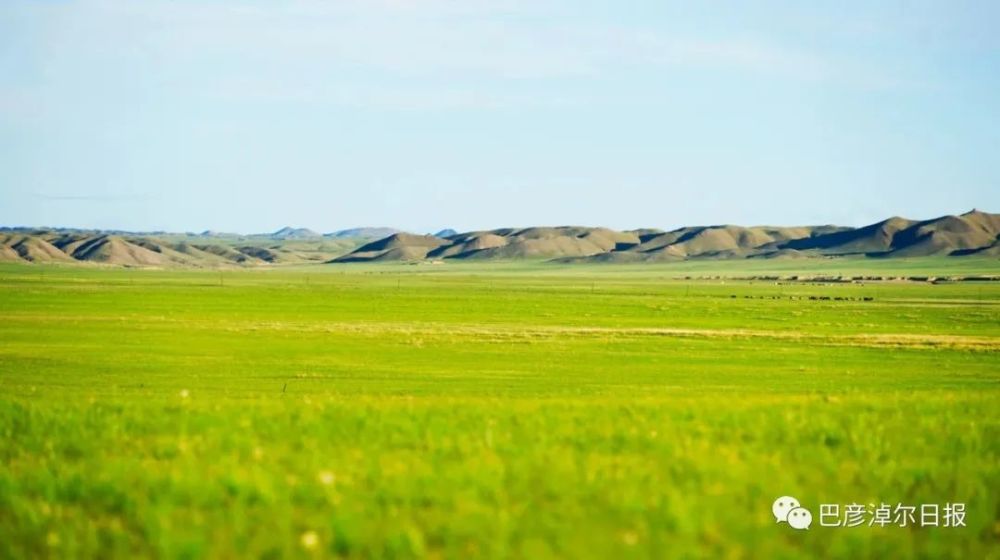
409, 36
396, 53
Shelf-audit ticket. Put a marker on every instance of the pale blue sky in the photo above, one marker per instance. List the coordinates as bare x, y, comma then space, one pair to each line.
422, 114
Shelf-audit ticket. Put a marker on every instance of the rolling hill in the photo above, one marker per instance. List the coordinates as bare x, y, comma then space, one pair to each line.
168, 250
396, 247
972, 233
969, 234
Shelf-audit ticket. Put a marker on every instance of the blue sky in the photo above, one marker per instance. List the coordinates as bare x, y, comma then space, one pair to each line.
422, 114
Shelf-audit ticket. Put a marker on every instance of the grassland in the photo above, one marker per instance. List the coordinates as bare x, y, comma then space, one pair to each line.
501, 410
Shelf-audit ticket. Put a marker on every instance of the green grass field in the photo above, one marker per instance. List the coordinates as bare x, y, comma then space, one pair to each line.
504, 410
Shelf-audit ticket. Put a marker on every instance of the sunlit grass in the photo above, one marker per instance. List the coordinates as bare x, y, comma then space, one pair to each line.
529, 411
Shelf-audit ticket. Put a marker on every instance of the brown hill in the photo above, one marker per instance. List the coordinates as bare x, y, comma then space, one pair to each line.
8, 255
949, 234
178, 253
899, 237
875, 238
178, 250
726, 241
509, 243
991, 251
260, 253
469, 244
36, 249
984, 220
226, 253
111, 249
396, 247
214, 255
68, 242
536, 242
971, 233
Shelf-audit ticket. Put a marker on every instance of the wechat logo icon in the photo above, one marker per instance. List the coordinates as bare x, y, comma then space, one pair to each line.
788, 509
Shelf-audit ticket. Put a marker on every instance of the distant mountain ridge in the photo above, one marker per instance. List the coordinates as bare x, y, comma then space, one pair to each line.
197, 250
972, 233
295, 233
365, 232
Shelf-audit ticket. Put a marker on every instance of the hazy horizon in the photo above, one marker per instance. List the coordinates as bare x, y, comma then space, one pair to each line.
245, 117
